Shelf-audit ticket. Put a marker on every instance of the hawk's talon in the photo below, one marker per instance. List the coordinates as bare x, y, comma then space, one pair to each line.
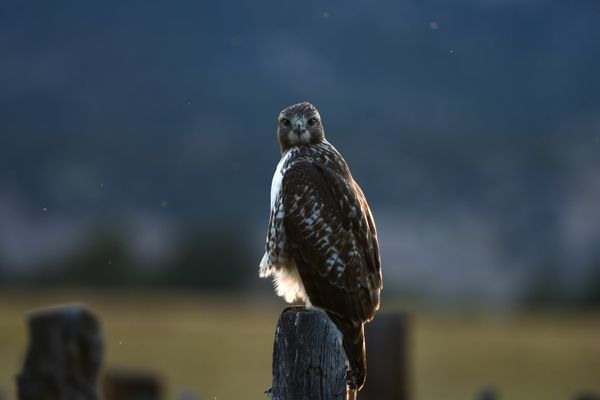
351, 380
270, 394
350, 383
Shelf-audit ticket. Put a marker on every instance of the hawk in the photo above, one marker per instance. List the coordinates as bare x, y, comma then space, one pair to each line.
322, 243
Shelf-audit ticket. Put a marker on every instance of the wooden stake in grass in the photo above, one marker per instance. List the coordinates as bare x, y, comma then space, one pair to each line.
388, 358
64, 355
129, 384
308, 359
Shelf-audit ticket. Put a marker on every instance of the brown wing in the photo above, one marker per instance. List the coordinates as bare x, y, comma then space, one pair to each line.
333, 240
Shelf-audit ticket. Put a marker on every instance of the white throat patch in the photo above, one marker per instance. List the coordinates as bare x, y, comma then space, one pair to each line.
305, 138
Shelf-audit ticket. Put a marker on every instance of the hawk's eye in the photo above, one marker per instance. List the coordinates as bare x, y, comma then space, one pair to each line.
286, 122
312, 121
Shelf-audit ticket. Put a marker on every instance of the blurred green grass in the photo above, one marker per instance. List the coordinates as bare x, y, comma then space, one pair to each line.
220, 346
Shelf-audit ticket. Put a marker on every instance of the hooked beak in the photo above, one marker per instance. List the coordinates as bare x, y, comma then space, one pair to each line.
299, 127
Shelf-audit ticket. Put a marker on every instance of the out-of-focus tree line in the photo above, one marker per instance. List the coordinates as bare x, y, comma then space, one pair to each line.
201, 258
217, 259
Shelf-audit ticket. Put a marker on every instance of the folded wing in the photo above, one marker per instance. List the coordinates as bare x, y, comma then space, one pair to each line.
333, 239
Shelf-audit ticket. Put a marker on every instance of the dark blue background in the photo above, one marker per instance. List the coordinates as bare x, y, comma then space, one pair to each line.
475, 117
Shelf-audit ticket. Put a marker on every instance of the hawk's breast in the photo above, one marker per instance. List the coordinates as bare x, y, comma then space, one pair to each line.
276, 261
278, 179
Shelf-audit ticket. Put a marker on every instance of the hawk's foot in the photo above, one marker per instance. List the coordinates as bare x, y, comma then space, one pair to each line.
350, 384
269, 393
351, 380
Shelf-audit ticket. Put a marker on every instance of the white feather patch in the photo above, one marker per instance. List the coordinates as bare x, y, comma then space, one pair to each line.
278, 178
288, 284
264, 270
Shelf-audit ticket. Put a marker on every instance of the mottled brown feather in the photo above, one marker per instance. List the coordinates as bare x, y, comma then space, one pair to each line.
345, 222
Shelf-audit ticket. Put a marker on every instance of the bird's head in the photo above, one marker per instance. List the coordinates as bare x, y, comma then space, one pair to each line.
299, 125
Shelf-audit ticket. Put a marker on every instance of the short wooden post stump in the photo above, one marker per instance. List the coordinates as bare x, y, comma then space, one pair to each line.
308, 359
64, 355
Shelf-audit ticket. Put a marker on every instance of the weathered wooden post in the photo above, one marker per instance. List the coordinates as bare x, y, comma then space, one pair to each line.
488, 393
308, 359
131, 384
64, 355
587, 396
388, 358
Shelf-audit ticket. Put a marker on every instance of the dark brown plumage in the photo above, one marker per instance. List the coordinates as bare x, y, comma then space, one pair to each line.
322, 242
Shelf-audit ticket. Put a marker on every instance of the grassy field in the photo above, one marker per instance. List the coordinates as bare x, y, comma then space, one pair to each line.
220, 347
